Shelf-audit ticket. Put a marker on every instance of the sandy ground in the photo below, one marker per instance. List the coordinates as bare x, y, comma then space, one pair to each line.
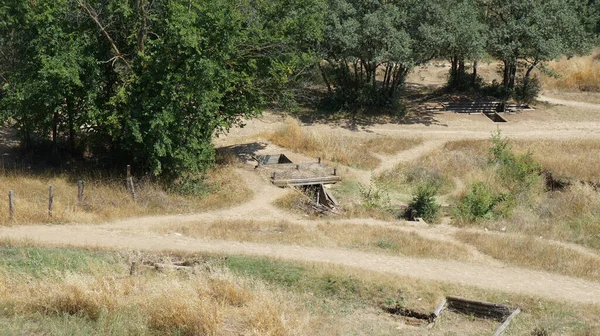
436, 129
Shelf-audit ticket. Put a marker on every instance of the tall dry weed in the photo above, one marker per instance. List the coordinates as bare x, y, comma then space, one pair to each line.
109, 199
575, 74
192, 304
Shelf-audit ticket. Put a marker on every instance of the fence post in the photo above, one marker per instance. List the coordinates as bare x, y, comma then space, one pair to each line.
50, 199
132, 189
80, 185
334, 171
11, 204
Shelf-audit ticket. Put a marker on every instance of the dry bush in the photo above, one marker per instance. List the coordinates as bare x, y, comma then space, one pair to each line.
575, 74
295, 200
109, 199
363, 237
534, 253
275, 315
333, 146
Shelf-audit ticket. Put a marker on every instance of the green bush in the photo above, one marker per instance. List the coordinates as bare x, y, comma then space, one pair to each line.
479, 202
514, 178
423, 203
518, 173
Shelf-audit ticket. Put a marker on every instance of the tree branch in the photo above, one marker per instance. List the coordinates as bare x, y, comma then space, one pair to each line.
94, 16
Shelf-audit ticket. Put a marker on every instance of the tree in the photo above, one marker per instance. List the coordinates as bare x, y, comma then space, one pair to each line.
151, 82
363, 37
455, 29
529, 33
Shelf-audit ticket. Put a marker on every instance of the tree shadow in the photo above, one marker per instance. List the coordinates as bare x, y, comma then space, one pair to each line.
244, 152
414, 110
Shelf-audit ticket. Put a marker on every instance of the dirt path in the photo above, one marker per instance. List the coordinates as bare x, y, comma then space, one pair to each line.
506, 279
390, 161
557, 101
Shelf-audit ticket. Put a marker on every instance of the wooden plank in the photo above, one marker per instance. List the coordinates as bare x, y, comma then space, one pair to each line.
306, 181
479, 308
331, 198
507, 322
436, 313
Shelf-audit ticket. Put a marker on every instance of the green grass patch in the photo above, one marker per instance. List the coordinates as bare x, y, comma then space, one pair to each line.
41, 262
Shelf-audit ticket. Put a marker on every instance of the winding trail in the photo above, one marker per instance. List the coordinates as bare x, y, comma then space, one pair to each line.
508, 279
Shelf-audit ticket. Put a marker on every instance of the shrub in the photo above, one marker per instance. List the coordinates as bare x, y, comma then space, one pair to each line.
423, 203
527, 89
479, 202
518, 173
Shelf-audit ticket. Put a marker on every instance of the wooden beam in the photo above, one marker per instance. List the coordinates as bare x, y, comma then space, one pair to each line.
507, 322
306, 181
479, 308
436, 313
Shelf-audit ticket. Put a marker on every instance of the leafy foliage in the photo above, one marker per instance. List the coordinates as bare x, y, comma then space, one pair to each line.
423, 203
374, 198
515, 177
149, 82
479, 202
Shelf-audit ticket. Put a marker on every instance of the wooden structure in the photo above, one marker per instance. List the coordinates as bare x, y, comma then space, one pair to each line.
310, 177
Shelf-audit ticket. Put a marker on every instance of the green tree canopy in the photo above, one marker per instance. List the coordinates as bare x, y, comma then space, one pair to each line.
151, 82
535, 31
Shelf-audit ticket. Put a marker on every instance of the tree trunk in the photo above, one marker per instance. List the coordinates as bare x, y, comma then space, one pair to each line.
474, 78
71, 122
325, 79
513, 75
54, 133
454, 72
144, 26
506, 74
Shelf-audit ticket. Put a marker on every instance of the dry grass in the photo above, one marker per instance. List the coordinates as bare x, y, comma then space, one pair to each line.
335, 147
198, 304
574, 159
575, 74
106, 200
571, 215
250, 296
376, 238
456, 160
534, 253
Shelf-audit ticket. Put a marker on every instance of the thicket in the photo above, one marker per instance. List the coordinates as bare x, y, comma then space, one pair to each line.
150, 83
